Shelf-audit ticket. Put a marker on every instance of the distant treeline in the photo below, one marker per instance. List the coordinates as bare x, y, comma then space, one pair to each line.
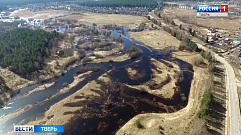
119, 3
18, 2
184, 0
2, 8
24, 50
5, 3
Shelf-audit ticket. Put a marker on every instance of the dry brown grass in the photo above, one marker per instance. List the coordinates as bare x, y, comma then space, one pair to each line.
13, 80
106, 19
189, 57
171, 121
131, 72
58, 109
39, 88
113, 58
167, 90
41, 14
156, 39
179, 122
114, 50
85, 18
52, 62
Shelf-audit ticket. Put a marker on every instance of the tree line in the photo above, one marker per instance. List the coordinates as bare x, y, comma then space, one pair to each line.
24, 50
119, 3
5, 3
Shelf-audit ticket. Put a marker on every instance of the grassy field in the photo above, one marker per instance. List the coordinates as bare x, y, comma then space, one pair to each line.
157, 39
13, 81
85, 18
105, 19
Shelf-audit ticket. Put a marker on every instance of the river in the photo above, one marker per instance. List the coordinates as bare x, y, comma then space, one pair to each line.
40, 104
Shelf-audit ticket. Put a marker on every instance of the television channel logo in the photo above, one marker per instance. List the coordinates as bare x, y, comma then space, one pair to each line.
39, 128
212, 8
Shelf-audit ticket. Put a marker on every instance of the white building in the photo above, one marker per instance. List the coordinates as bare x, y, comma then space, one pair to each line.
185, 7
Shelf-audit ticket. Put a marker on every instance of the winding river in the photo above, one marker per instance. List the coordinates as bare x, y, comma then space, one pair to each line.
40, 103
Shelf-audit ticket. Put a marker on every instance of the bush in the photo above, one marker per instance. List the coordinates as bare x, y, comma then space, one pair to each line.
211, 68
98, 56
183, 46
86, 69
86, 60
111, 61
183, 98
198, 61
134, 51
167, 51
188, 42
65, 84
161, 130
103, 45
66, 52
205, 104
139, 125
61, 53
208, 56
152, 84
81, 56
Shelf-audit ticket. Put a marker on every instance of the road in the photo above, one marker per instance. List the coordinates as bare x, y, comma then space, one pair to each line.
233, 111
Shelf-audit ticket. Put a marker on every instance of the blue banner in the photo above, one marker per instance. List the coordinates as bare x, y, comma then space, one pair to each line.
49, 128
208, 8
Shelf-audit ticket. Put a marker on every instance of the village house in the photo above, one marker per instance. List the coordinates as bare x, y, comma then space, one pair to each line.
186, 7
212, 30
227, 41
211, 38
237, 42
220, 42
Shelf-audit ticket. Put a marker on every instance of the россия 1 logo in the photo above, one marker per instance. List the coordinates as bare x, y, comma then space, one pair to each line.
212, 10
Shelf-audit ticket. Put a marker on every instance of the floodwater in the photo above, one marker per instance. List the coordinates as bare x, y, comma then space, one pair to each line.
125, 103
